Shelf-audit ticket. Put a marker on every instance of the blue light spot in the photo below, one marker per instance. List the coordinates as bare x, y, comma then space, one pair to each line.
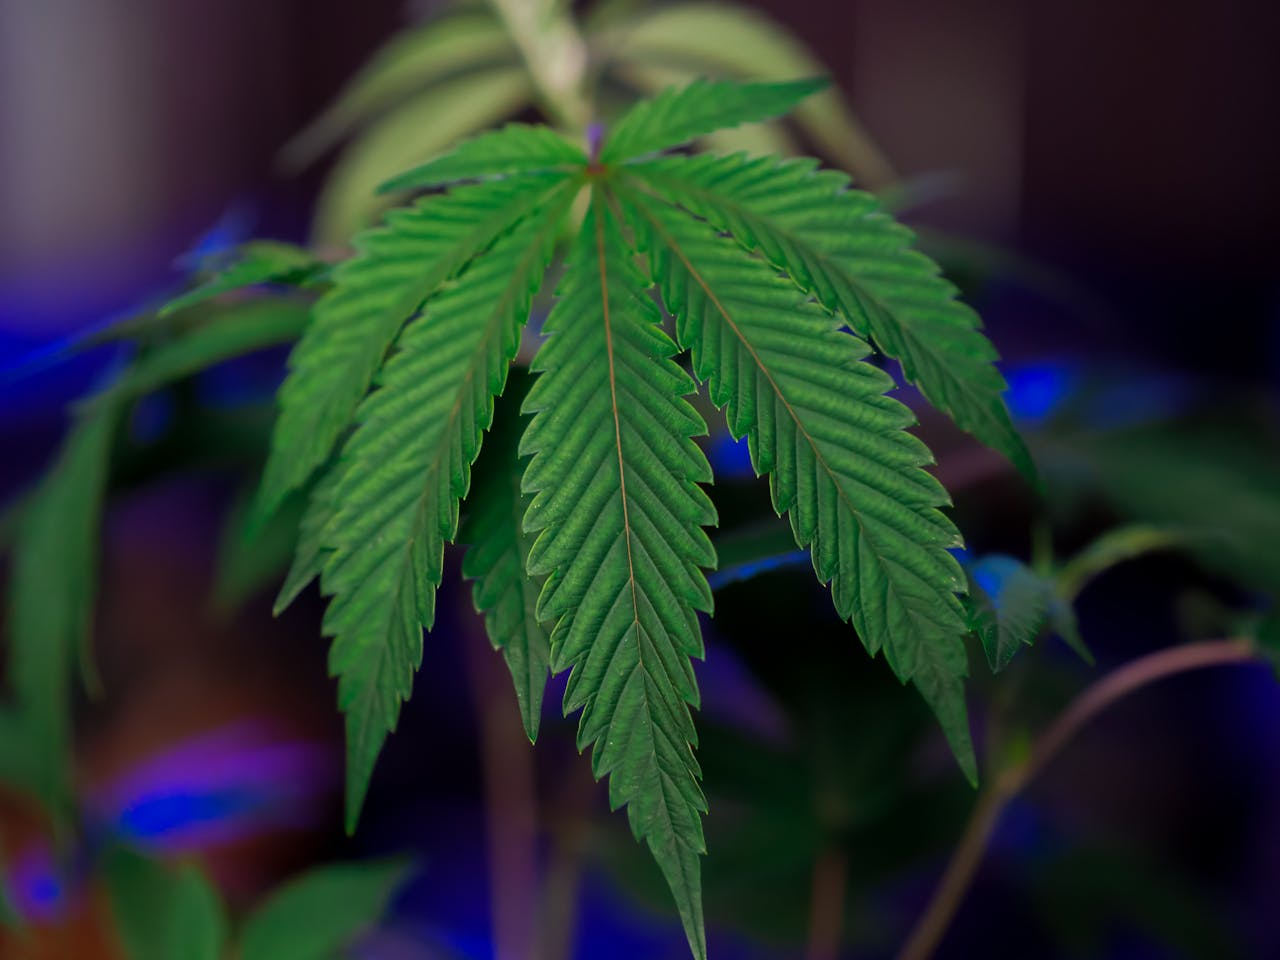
730, 457
160, 814
1037, 391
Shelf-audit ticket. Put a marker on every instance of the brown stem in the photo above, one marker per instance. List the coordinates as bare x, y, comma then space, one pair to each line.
826, 906
510, 805
933, 923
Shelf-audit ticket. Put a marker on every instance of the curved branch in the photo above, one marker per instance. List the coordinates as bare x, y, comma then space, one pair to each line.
1133, 676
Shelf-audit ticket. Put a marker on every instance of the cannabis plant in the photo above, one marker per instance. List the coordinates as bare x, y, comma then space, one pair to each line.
770, 283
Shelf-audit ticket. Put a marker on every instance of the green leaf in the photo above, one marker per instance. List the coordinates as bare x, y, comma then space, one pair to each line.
163, 914
1267, 637
415, 131
232, 331
497, 560
251, 555
318, 914
841, 463
678, 116
258, 262
308, 555
733, 41
1010, 605
408, 463
397, 267
856, 261
52, 596
619, 518
412, 60
1115, 547
516, 148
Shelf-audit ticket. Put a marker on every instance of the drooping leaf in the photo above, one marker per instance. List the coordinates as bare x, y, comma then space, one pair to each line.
231, 332
619, 518
1010, 606
841, 463
732, 41
318, 914
413, 60
257, 262
404, 470
678, 116
411, 133
1117, 546
397, 267
497, 560
52, 594
162, 913
516, 148
838, 246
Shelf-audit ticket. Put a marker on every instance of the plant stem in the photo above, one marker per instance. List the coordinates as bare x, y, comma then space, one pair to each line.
510, 805
826, 905
933, 923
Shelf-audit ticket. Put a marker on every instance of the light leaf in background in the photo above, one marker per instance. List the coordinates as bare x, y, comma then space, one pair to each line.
1117, 546
840, 461
497, 560
839, 247
680, 114
319, 914
412, 133
252, 555
412, 61
255, 263
163, 913
719, 39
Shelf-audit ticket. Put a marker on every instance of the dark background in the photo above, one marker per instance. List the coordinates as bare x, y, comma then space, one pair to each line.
1128, 148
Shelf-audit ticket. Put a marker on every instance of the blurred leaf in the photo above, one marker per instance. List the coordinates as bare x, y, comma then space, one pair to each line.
163, 914
414, 132
412, 61
725, 40
1086, 894
1010, 606
232, 331
1115, 547
316, 915
308, 549
1215, 476
257, 262
1062, 621
54, 582
251, 554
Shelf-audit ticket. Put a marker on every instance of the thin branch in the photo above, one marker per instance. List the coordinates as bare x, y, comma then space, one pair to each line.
826, 906
1136, 675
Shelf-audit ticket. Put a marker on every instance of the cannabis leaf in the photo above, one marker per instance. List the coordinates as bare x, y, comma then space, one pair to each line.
397, 267
497, 560
406, 467
516, 148
839, 459
162, 914
855, 260
678, 115
1011, 605
258, 262
593, 524
619, 518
